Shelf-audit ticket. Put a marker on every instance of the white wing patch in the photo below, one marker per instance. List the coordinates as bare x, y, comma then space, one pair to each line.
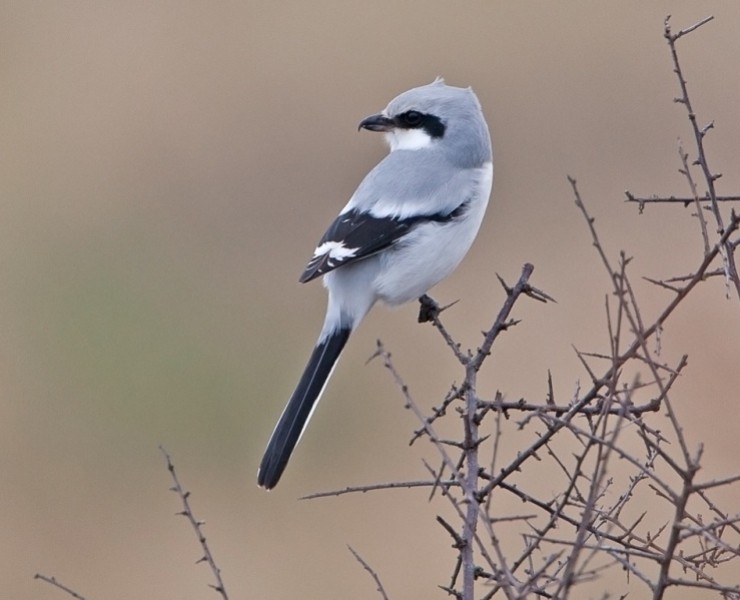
337, 252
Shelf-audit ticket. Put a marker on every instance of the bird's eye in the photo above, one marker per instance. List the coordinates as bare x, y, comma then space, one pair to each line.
412, 118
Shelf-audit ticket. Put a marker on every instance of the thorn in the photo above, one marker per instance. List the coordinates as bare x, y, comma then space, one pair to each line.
507, 289
451, 304
539, 295
377, 353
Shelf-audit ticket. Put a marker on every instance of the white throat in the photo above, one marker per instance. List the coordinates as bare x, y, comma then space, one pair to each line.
408, 139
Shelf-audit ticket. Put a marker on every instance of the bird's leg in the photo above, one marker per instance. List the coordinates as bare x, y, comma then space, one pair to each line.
428, 309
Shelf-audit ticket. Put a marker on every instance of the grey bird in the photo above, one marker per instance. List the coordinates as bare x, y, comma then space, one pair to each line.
409, 224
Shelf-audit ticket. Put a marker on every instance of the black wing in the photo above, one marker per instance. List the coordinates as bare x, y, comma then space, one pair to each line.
355, 235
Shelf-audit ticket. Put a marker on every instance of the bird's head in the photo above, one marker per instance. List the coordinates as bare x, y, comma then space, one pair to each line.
434, 115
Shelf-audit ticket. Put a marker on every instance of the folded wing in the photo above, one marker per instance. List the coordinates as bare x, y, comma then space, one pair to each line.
355, 235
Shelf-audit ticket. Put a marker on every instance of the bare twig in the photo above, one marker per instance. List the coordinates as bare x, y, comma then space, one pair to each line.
685, 200
197, 527
53, 581
373, 574
362, 489
523, 406
686, 170
502, 322
728, 257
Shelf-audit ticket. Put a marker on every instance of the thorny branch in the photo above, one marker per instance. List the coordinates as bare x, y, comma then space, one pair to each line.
727, 247
54, 582
197, 525
369, 569
710, 177
615, 455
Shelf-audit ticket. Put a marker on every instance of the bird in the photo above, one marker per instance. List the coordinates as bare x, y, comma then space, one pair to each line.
408, 225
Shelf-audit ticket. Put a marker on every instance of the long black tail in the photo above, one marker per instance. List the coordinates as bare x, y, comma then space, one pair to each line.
300, 408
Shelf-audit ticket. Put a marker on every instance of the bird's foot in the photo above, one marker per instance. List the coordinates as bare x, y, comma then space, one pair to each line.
428, 309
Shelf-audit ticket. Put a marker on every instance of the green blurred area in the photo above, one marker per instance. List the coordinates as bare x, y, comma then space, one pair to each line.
166, 169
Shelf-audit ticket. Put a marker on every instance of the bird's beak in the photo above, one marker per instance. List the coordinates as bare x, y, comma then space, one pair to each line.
377, 123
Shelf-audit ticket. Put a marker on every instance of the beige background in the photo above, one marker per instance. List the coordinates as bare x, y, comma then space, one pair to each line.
166, 170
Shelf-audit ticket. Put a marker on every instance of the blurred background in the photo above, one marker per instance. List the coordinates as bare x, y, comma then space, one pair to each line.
166, 171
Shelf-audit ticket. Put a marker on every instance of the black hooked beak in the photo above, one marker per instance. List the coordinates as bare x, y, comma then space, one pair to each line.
376, 123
